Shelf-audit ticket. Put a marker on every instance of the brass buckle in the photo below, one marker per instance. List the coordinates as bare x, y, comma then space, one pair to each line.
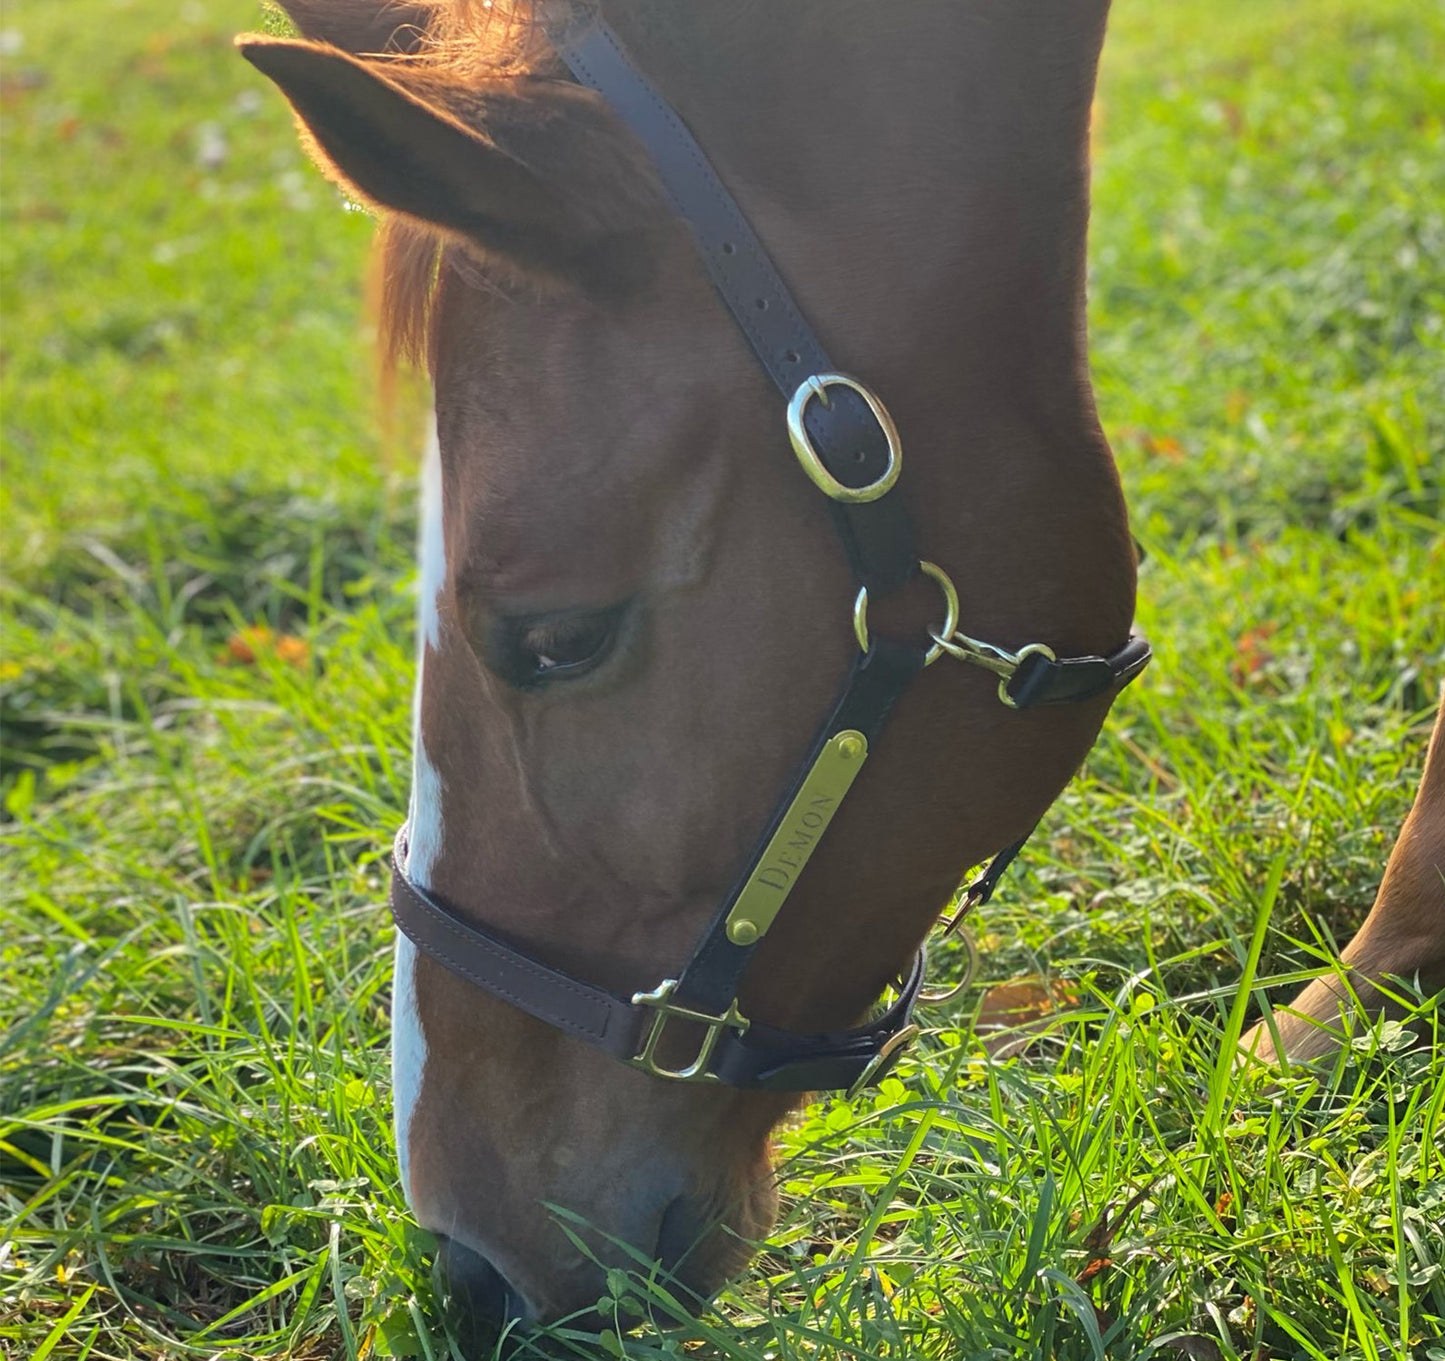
817, 386
1000, 661
950, 614
659, 1001
894, 1044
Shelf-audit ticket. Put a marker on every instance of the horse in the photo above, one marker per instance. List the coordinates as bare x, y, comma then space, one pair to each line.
633, 607
1402, 936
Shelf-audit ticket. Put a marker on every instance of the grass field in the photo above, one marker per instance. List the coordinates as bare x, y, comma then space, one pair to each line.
206, 677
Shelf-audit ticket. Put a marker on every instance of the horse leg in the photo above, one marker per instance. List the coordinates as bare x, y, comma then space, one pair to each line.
1403, 937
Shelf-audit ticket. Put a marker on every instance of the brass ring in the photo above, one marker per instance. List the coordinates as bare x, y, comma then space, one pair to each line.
970, 972
950, 613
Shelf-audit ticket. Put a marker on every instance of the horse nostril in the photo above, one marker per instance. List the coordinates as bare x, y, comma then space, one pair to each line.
476, 1295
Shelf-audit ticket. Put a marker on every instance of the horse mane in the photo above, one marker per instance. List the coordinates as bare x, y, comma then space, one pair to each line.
406, 269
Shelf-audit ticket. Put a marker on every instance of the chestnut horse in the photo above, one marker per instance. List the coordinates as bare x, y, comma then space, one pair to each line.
633, 605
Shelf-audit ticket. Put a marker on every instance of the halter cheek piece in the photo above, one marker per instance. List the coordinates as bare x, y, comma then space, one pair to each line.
847, 444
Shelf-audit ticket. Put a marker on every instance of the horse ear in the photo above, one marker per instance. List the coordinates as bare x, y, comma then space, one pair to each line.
376, 26
537, 172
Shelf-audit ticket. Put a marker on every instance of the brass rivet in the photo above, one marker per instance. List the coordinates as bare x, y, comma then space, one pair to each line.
850, 747
742, 931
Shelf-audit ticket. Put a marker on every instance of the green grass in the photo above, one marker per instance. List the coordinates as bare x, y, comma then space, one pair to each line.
195, 1154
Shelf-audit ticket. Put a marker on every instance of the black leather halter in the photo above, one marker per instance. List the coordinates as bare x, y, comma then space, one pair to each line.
848, 446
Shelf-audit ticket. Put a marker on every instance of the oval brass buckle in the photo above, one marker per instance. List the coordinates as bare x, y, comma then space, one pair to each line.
950, 613
817, 386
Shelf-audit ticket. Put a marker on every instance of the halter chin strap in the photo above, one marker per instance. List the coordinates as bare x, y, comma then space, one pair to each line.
648, 1031
689, 1028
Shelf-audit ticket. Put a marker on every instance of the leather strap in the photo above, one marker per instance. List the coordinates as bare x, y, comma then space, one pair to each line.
877, 535
1067, 680
780, 1061
983, 888
874, 685
496, 966
761, 1056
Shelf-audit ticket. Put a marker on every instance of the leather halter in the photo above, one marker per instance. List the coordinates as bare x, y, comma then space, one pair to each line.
848, 446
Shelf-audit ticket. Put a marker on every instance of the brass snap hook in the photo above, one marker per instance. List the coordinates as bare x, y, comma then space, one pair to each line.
1000, 661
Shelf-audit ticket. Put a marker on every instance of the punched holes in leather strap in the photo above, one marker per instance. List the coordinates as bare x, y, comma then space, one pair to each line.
859, 451
878, 537
844, 438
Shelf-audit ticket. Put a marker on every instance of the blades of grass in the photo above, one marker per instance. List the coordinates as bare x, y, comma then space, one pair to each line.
338, 1290
25, 1159
62, 1325
1397, 1217
306, 1301
421, 1327
881, 1202
1078, 1304
277, 1287
1359, 1317
1228, 1060
1038, 1235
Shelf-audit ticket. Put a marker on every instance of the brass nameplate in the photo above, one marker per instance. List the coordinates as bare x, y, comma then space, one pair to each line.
797, 837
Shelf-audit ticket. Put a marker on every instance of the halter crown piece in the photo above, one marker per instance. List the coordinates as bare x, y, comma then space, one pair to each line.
831, 417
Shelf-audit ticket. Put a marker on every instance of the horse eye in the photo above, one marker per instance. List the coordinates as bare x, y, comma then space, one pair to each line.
545, 648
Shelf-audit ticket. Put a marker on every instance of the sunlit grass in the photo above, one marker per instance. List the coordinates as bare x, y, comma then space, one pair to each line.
205, 685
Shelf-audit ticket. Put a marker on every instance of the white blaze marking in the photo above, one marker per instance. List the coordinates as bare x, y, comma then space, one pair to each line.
408, 1052
426, 817
408, 1041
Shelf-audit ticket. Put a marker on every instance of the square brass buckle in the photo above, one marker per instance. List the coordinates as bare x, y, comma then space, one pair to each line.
660, 1001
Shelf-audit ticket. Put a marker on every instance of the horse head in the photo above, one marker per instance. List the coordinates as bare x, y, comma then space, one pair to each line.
634, 609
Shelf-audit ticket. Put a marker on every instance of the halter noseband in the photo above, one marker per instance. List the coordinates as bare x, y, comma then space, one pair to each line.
848, 446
